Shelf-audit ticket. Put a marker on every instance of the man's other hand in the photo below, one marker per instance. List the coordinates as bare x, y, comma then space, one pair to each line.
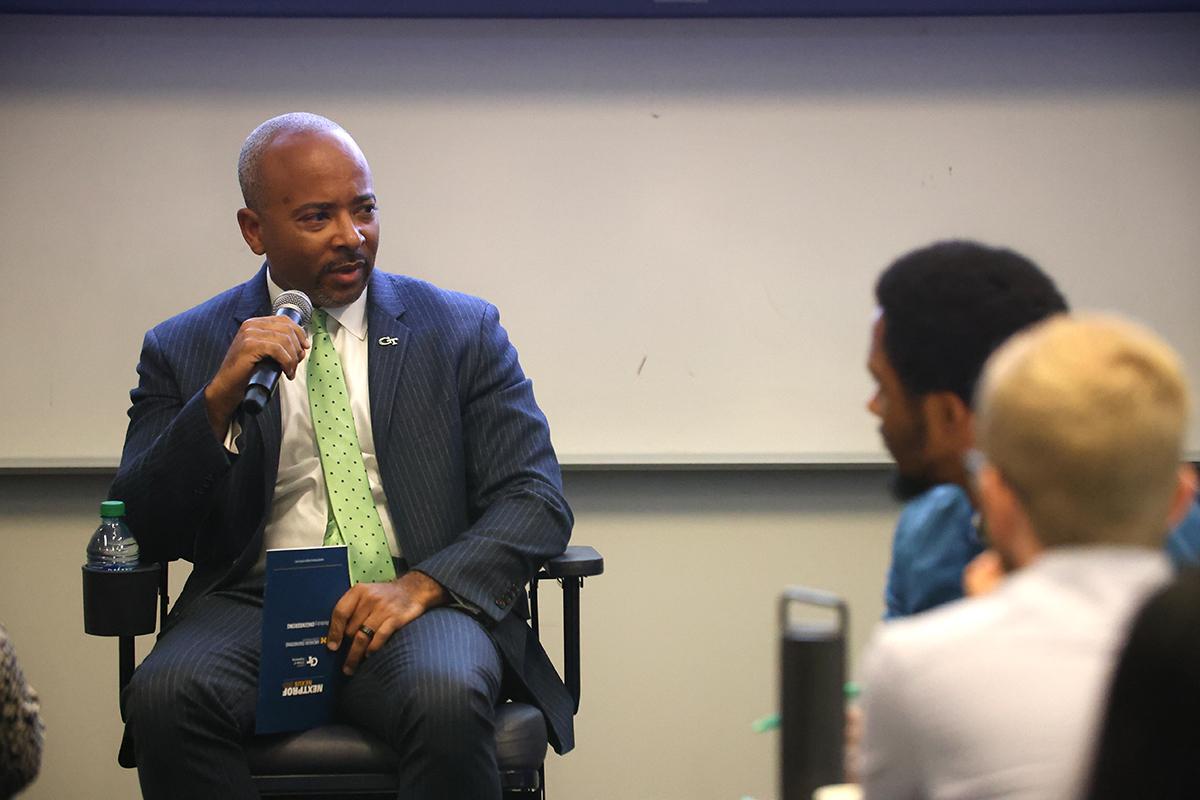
852, 746
383, 608
983, 574
258, 339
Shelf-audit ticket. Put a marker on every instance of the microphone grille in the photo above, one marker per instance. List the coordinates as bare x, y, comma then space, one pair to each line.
298, 301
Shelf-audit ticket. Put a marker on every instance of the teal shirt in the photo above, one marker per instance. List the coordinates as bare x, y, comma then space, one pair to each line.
936, 538
1183, 545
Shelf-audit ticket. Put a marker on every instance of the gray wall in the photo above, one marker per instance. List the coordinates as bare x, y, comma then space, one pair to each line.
679, 220
679, 634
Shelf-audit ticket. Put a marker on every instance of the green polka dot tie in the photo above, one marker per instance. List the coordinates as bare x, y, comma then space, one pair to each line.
353, 518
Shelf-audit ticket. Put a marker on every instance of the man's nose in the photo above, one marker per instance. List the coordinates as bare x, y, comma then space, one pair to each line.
875, 405
347, 234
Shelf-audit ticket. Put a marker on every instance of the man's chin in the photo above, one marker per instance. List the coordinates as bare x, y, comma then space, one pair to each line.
906, 487
325, 296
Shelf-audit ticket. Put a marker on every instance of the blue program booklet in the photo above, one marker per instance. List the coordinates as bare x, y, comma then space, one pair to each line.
298, 675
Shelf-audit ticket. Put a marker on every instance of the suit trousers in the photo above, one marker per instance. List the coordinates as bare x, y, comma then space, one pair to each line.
430, 692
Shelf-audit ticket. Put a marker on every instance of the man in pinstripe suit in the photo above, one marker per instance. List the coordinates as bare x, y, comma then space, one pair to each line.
456, 452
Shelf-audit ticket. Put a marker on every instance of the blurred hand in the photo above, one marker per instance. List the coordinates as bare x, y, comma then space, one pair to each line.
983, 574
853, 743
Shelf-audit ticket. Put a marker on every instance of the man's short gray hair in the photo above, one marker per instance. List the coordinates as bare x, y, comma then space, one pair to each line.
250, 159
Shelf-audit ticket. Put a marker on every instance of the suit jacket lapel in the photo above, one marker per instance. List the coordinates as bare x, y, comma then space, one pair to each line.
256, 302
387, 342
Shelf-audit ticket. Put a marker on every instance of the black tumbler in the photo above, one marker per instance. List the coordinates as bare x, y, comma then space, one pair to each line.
813, 673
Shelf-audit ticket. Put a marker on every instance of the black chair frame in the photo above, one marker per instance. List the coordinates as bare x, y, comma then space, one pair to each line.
339, 760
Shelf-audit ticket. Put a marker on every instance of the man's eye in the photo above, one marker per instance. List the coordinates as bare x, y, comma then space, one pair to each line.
368, 210
316, 216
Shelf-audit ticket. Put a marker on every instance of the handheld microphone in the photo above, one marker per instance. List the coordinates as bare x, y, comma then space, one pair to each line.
298, 308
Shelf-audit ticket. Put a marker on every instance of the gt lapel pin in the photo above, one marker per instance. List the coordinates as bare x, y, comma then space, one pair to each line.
387, 341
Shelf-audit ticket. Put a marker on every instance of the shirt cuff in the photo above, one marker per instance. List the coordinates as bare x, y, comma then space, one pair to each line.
463, 605
235, 430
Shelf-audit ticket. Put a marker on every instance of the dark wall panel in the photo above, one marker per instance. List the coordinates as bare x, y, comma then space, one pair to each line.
590, 8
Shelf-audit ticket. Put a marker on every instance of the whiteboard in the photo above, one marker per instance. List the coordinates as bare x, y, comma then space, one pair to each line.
681, 221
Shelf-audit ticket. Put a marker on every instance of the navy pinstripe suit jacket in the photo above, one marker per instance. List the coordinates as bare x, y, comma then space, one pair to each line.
473, 485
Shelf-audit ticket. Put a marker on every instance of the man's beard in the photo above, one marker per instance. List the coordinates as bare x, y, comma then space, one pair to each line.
321, 298
906, 487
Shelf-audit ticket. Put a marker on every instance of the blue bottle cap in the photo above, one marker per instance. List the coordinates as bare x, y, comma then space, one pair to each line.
112, 508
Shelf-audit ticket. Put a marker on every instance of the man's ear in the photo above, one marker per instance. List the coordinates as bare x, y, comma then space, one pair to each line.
1185, 493
251, 230
949, 426
1008, 527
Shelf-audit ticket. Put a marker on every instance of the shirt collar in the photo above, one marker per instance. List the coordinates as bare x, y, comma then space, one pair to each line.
352, 317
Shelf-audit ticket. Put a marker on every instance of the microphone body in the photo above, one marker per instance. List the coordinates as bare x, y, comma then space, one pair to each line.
298, 308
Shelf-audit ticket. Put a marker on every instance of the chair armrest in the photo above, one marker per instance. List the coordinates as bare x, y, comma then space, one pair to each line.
569, 569
578, 561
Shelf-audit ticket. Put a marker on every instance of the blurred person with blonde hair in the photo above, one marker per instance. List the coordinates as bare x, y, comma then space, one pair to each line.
1080, 425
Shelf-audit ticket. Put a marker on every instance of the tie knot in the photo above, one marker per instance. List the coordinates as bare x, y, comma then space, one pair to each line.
319, 318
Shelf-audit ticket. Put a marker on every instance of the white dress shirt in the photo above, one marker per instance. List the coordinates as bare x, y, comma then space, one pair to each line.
1000, 696
300, 506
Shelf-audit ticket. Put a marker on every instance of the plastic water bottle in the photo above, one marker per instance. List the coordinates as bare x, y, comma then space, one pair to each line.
112, 547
